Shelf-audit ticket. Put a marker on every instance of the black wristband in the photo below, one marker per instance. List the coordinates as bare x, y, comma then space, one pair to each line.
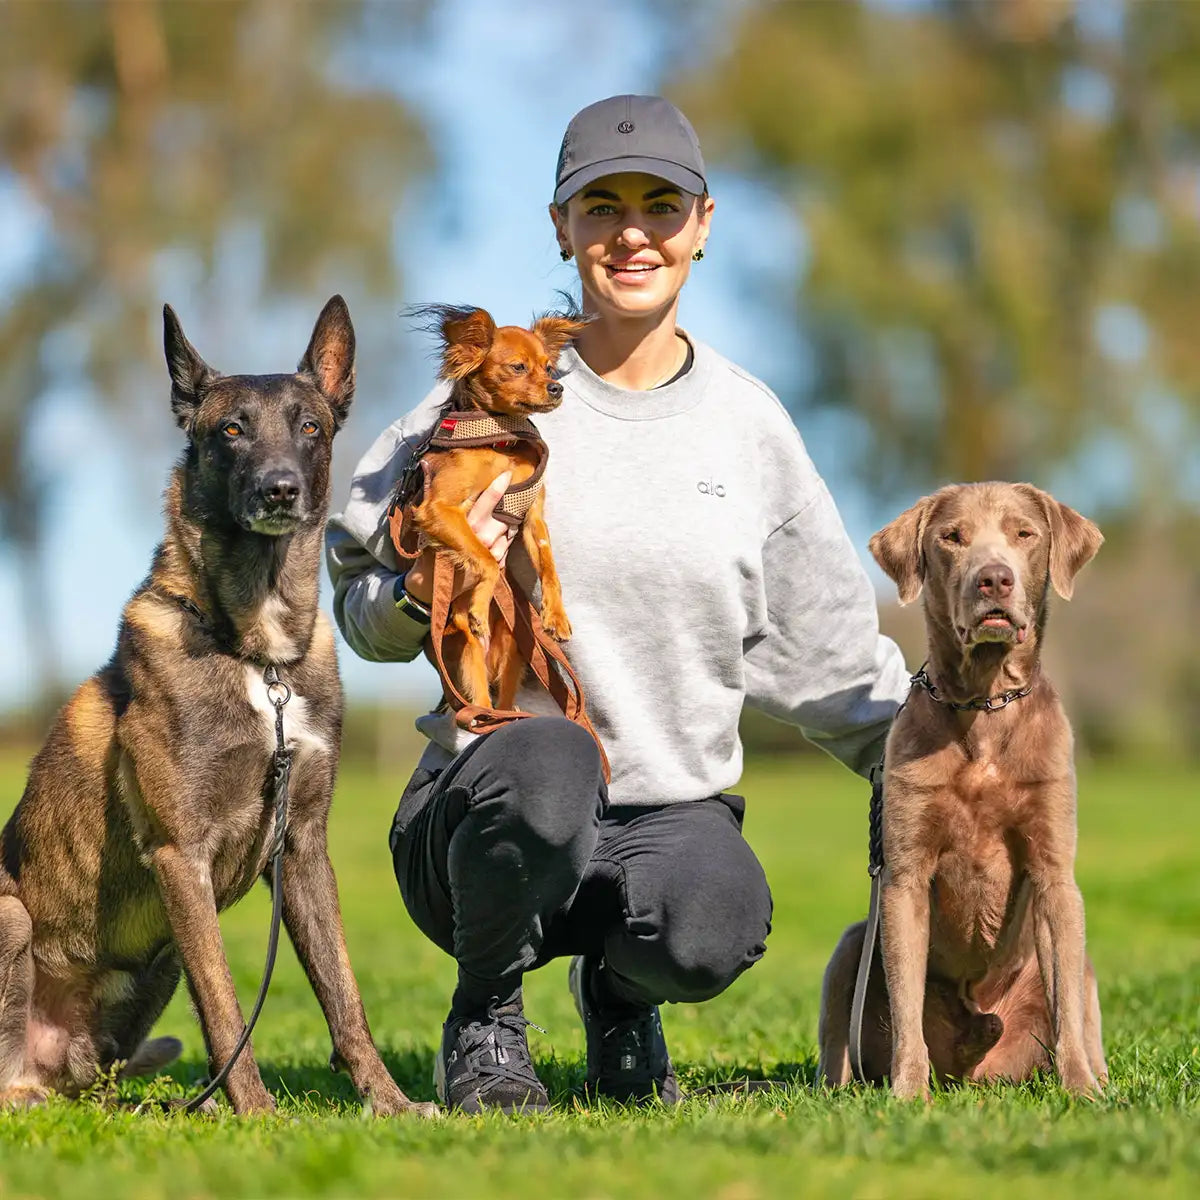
409, 604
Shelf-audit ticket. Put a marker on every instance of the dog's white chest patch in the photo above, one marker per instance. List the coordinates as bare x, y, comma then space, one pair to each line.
278, 646
298, 732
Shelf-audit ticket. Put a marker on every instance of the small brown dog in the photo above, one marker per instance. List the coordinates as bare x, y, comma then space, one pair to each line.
984, 970
505, 372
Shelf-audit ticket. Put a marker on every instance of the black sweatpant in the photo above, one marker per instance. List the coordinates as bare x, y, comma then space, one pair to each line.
511, 856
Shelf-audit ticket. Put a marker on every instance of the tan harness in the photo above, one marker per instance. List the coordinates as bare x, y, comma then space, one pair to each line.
473, 429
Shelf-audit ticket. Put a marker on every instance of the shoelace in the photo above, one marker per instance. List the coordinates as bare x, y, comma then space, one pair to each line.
495, 1049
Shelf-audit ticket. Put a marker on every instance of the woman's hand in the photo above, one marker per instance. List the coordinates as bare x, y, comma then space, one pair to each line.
495, 535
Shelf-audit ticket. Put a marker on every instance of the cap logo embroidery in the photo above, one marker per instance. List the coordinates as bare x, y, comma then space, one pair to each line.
625, 127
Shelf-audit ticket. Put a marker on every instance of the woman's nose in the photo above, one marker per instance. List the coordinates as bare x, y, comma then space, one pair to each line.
633, 237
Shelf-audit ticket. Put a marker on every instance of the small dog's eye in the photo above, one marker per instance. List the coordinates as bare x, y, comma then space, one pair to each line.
232, 430
310, 427
952, 535
517, 368
1025, 533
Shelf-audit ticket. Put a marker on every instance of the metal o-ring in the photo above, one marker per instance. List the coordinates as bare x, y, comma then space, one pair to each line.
274, 690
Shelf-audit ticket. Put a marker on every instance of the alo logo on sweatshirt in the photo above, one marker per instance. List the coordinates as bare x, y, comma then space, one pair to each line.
706, 487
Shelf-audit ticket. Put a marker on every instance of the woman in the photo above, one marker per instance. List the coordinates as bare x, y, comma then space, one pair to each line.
703, 566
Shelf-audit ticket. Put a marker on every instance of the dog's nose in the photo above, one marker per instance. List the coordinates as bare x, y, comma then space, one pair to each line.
281, 487
995, 580
554, 388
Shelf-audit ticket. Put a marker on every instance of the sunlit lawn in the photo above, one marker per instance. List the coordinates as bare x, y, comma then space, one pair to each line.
1138, 869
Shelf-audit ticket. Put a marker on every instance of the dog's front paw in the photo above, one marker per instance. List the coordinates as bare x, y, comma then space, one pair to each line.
910, 1080
555, 623
387, 1100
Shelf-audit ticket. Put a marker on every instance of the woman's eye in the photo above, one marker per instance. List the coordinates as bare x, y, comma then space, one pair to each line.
663, 206
517, 368
952, 536
601, 210
232, 430
310, 427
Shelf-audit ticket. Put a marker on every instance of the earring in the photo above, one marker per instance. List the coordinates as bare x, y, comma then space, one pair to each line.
697, 254
565, 255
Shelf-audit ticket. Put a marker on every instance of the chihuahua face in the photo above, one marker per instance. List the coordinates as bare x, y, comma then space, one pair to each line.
506, 369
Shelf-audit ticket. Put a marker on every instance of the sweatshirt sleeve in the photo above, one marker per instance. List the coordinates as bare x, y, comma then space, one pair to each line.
821, 663
362, 563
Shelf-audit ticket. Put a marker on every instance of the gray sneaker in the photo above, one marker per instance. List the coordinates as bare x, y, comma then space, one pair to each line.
627, 1055
484, 1062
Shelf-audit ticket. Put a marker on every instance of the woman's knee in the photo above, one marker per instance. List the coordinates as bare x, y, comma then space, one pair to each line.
545, 775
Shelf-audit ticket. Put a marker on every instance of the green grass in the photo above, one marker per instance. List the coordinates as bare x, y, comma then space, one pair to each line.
1140, 827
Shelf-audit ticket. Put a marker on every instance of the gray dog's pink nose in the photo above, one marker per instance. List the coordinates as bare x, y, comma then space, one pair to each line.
995, 580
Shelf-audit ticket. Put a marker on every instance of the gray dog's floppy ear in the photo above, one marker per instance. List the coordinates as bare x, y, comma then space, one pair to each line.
1074, 540
190, 374
897, 549
329, 358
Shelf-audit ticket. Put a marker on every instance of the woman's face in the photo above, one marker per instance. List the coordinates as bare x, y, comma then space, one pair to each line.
633, 237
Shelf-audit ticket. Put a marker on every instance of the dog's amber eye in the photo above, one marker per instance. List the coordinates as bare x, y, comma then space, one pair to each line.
952, 536
517, 368
232, 430
309, 428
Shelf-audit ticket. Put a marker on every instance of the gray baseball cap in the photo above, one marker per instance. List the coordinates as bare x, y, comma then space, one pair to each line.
629, 133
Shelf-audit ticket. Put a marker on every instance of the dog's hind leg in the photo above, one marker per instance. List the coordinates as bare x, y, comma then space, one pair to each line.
16, 993
837, 995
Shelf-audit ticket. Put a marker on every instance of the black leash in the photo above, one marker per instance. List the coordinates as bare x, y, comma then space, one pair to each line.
875, 851
278, 693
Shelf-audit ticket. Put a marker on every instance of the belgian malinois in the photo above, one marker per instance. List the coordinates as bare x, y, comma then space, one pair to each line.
148, 809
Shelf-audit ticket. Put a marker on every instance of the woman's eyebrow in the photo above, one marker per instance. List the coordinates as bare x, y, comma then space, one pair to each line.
600, 194
662, 191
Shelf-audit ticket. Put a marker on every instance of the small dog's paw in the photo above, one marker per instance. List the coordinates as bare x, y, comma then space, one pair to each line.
477, 625
555, 623
23, 1096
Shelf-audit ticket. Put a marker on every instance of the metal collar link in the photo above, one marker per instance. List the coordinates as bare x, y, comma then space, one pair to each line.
979, 704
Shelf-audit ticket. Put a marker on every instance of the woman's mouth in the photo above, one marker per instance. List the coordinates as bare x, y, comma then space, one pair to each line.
631, 272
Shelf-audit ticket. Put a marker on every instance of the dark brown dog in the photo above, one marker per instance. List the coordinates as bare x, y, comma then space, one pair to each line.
984, 972
147, 810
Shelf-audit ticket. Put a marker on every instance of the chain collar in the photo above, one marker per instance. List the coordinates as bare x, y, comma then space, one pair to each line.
979, 704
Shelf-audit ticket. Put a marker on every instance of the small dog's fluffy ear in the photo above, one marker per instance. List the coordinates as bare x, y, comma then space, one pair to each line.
329, 358
190, 374
1074, 540
467, 334
897, 549
556, 332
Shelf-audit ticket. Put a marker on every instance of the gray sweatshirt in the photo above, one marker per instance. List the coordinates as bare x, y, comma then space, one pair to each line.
703, 565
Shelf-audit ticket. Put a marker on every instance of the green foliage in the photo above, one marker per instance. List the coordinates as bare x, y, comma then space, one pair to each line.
807, 821
982, 184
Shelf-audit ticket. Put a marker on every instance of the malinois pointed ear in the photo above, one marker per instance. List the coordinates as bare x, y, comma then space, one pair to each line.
468, 334
557, 332
190, 374
897, 549
1074, 540
329, 358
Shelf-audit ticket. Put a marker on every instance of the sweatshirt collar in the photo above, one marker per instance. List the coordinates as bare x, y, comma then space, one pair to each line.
629, 405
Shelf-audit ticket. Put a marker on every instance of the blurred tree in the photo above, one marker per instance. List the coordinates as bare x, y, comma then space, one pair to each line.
1001, 199
144, 130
